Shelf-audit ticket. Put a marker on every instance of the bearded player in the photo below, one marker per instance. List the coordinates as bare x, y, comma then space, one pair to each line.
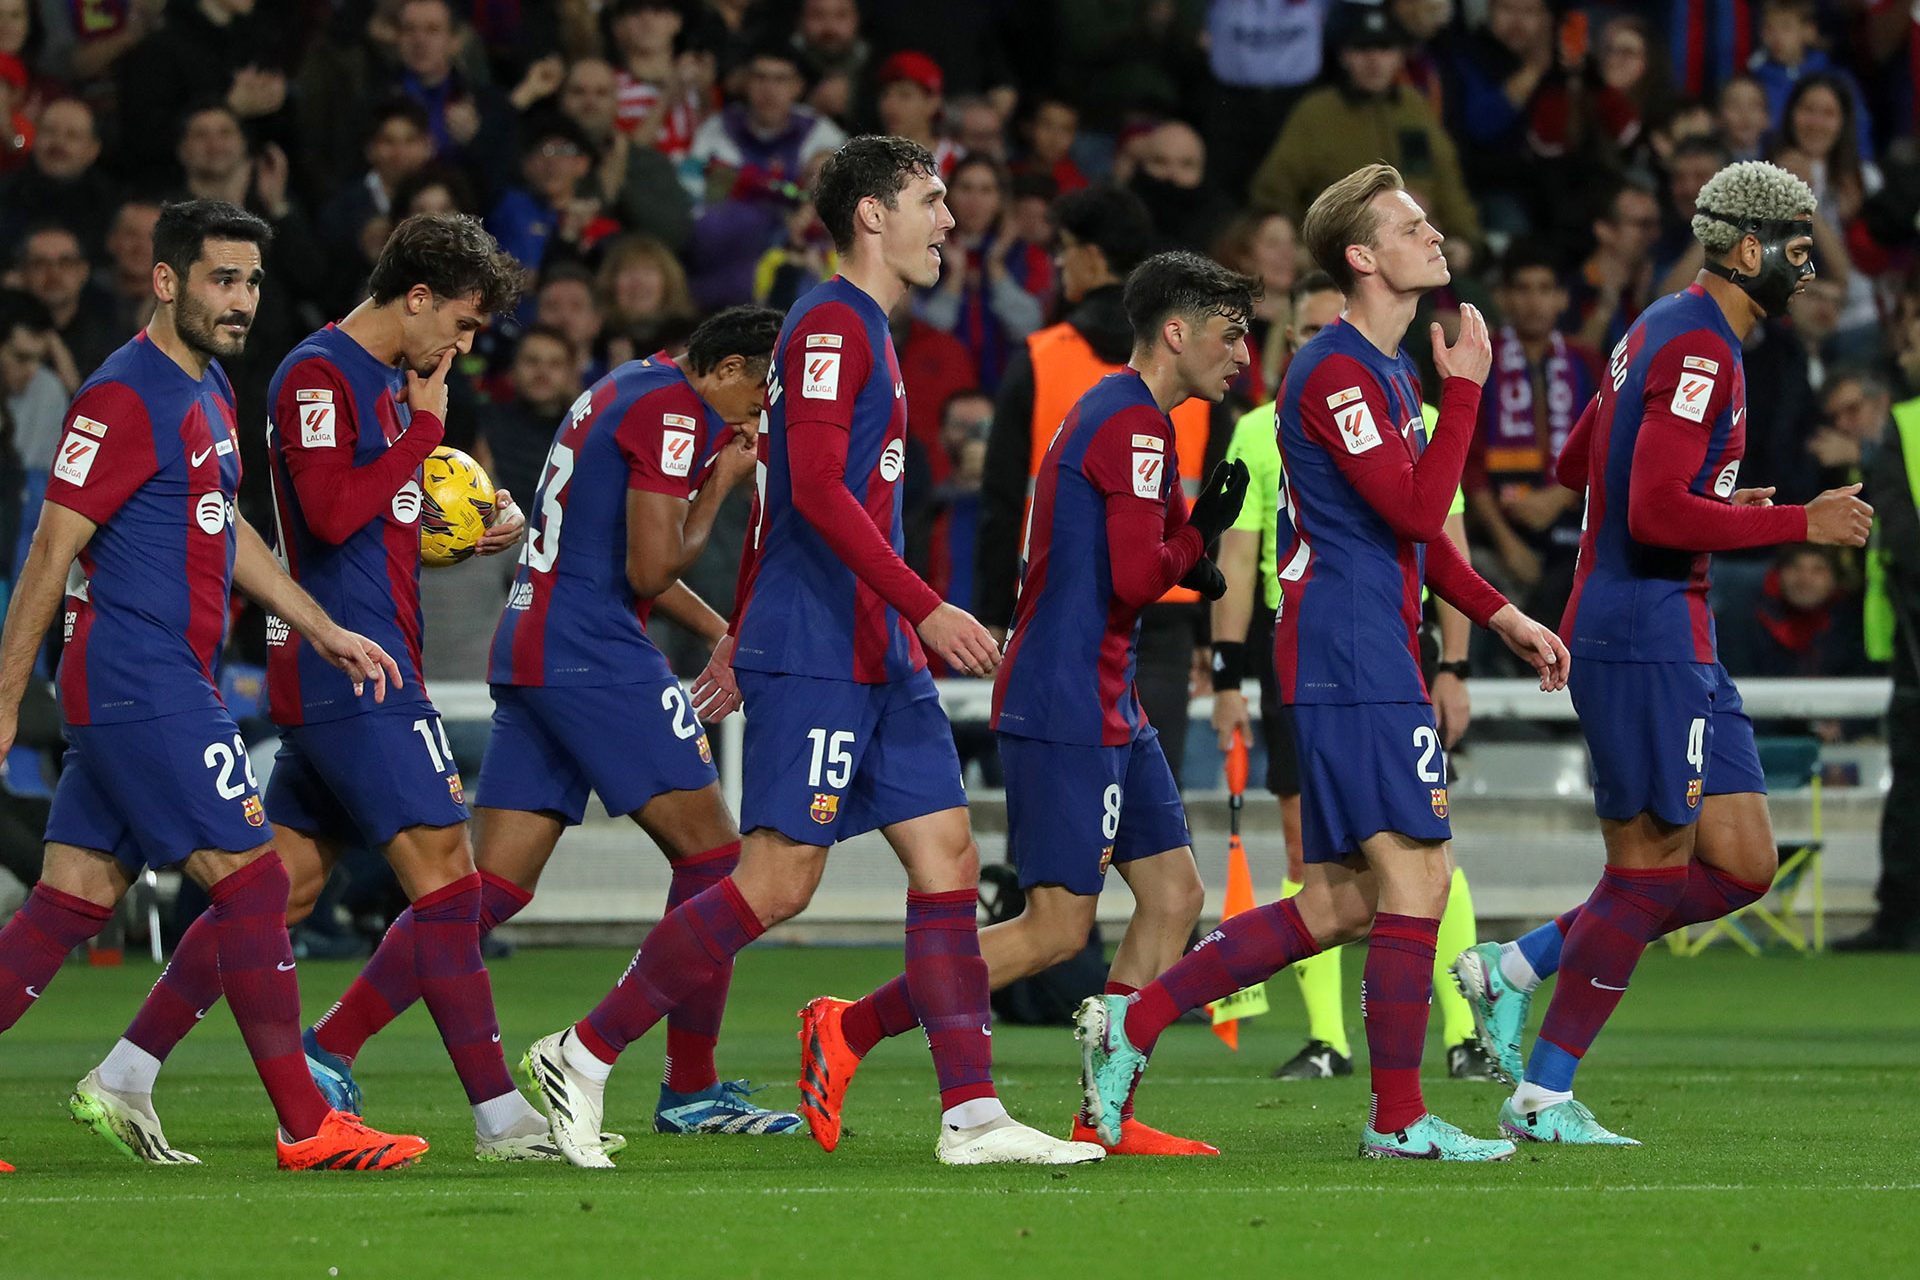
1363, 509
1676, 775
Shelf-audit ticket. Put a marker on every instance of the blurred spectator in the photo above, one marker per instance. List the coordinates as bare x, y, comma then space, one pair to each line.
993, 287
665, 93
1630, 86
1263, 245
965, 421
1789, 52
1744, 119
1817, 141
1615, 283
1125, 59
1540, 382
1804, 623
231, 50
1815, 316
910, 87
1174, 181
16, 124
564, 301
36, 406
61, 183
1857, 412
1049, 130
79, 43
57, 274
638, 185
827, 37
472, 123
515, 433
804, 257
128, 275
1369, 113
1263, 56
555, 208
643, 300
978, 42
435, 188
1677, 256
934, 366
979, 129
356, 219
765, 141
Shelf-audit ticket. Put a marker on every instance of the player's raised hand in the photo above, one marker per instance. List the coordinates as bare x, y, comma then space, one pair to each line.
1206, 578
429, 394
960, 640
716, 694
1838, 518
1753, 497
1471, 354
360, 658
737, 458
509, 523
1218, 505
1536, 645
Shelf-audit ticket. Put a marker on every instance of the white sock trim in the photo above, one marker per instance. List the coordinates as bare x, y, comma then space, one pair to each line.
128, 1068
1531, 1097
579, 1058
973, 1113
1516, 968
510, 1113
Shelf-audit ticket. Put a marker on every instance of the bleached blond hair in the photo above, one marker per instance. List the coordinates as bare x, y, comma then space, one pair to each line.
1747, 192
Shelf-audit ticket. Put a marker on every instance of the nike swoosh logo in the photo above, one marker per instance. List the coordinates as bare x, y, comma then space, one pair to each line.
496, 1037
285, 968
1603, 986
32, 994
199, 1014
1737, 415
201, 456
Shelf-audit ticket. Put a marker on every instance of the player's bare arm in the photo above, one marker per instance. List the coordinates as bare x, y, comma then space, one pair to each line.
666, 534
715, 693
36, 596
1452, 705
1239, 562
258, 575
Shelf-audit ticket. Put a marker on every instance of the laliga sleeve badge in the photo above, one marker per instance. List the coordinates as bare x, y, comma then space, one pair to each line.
256, 815
825, 808
454, 789
1438, 798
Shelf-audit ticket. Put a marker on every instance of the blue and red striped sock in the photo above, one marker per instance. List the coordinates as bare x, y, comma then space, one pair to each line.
1249, 948
947, 982
881, 1014
389, 983
455, 987
687, 950
1396, 994
188, 988
1629, 909
1711, 894
256, 971
35, 942
693, 1025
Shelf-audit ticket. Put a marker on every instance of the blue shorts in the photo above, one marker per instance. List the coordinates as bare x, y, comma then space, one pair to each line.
825, 760
1072, 810
151, 792
1661, 735
1368, 768
368, 777
626, 743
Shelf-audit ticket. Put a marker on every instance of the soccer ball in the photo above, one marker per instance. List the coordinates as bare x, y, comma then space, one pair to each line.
456, 501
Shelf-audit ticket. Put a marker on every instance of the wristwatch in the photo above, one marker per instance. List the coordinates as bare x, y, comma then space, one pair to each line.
1461, 669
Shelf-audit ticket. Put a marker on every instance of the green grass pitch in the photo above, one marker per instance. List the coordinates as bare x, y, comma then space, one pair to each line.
1776, 1097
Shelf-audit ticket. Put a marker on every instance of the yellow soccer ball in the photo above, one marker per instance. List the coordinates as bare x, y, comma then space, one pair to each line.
456, 501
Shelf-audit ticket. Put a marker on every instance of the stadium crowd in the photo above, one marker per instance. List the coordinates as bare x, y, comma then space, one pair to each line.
649, 162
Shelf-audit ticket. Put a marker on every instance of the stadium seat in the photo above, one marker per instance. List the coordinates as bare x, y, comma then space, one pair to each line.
1790, 764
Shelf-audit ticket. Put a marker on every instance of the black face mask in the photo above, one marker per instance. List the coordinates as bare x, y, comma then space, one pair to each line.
1774, 284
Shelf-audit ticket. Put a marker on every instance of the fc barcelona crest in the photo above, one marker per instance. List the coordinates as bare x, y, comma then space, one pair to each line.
455, 790
1438, 797
825, 808
1106, 859
1693, 793
256, 815
706, 752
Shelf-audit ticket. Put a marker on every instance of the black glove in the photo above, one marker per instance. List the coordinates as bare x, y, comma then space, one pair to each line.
1219, 503
1206, 578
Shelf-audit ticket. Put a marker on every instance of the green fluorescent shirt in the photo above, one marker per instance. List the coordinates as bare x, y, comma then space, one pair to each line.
1256, 442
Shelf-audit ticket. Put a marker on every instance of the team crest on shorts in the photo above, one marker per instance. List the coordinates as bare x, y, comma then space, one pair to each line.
1106, 859
825, 808
454, 789
706, 752
1438, 798
256, 815
1693, 793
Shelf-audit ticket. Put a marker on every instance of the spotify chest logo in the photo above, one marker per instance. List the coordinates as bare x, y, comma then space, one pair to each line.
406, 503
211, 513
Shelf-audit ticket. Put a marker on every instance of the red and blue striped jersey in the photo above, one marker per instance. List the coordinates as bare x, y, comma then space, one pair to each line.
150, 456
1068, 671
331, 396
572, 618
1675, 382
1348, 627
807, 610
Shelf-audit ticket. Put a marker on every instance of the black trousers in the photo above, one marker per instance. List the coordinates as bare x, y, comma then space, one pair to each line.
1169, 633
1899, 891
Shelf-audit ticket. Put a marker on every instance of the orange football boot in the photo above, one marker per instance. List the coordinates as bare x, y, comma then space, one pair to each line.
345, 1143
826, 1068
1137, 1139
5, 1167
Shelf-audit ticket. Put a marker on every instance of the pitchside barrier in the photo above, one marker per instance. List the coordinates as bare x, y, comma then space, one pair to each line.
1522, 816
